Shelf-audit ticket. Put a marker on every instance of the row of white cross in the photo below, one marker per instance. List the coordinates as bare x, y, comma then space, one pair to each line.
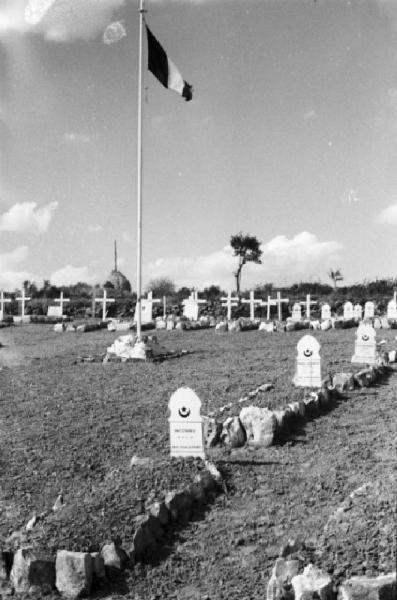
229, 302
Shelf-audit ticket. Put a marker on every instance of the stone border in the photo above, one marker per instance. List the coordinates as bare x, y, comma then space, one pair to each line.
264, 427
75, 574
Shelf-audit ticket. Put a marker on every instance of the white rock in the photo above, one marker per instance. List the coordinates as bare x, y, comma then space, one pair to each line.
313, 580
74, 572
260, 425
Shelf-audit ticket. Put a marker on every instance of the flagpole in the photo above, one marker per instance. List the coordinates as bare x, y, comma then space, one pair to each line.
139, 176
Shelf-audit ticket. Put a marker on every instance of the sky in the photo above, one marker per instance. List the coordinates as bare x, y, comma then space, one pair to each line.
291, 136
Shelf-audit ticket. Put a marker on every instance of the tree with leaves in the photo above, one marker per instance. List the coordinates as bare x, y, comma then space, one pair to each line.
161, 286
247, 248
335, 275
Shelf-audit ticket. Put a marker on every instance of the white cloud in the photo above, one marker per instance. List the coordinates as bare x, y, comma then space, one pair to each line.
11, 275
283, 260
94, 228
76, 138
26, 216
70, 275
388, 215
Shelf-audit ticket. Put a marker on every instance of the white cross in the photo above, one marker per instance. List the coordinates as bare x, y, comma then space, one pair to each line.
268, 304
252, 301
307, 304
164, 307
194, 297
2, 302
395, 297
229, 302
23, 299
279, 301
104, 301
61, 300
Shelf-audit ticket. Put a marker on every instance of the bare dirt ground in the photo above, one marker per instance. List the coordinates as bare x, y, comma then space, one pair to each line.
66, 426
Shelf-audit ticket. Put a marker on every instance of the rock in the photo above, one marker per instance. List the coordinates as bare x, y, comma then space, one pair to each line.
326, 325
212, 431
279, 586
260, 425
98, 566
140, 461
221, 327
382, 587
233, 433
31, 523
31, 572
364, 378
81, 328
59, 327
343, 381
392, 356
179, 505
114, 556
234, 326
70, 327
74, 573
313, 583
196, 491
160, 511
58, 503
144, 541
377, 323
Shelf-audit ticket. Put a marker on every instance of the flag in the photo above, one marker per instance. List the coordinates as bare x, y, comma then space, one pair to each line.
164, 69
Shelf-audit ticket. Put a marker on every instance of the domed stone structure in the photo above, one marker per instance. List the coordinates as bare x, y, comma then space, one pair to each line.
117, 280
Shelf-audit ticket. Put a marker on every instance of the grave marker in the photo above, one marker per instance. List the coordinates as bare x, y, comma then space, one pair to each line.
147, 308
279, 302
191, 306
229, 302
252, 301
186, 424
358, 311
270, 302
365, 345
61, 301
392, 308
369, 310
307, 303
325, 311
308, 363
348, 311
105, 300
23, 299
3, 301
296, 312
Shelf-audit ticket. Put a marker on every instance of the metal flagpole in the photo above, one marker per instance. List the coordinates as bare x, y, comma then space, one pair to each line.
139, 176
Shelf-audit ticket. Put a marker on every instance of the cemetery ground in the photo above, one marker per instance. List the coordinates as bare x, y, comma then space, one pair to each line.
71, 428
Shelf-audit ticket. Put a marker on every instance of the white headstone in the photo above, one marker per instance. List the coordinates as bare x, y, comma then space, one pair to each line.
369, 310
54, 311
296, 312
147, 308
186, 424
325, 311
348, 311
392, 310
308, 363
358, 311
191, 306
365, 346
